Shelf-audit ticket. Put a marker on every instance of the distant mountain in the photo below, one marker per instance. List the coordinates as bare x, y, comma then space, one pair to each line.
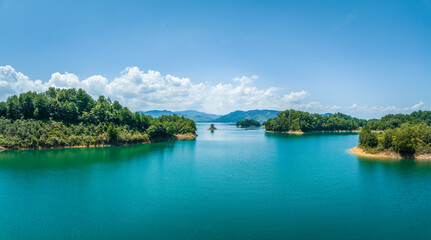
157, 113
259, 115
197, 114
192, 114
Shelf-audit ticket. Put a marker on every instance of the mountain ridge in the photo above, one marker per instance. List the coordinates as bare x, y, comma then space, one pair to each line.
260, 115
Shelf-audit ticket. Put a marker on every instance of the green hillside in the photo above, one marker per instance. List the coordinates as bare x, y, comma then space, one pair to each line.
259, 115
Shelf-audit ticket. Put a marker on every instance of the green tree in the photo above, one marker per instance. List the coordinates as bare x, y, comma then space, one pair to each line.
113, 133
26, 104
157, 131
367, 138
126, 117
41, 105
388, 136
84, 102
13, 111
404, 140
248, 123
3, 109
66, 117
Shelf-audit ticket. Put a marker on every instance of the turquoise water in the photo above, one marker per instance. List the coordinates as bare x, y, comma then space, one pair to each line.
228, 184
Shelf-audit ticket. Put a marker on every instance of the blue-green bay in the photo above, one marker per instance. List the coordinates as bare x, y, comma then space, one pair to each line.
230, 183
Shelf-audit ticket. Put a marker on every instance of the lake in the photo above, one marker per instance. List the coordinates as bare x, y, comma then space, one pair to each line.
227, 184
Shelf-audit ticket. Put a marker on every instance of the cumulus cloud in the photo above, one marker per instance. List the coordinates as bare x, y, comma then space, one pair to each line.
295, 96
415, 107
145, 90
12, 82
148, 90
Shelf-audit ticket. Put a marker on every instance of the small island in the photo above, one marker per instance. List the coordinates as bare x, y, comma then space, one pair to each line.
66, 118
248, 123
400, 137
212, 127
298, 122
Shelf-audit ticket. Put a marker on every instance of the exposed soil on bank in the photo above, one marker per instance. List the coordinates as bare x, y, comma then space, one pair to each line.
358, 151
289, 132
332, 131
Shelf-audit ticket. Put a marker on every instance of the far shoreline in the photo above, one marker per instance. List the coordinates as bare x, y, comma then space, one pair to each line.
288, 132
176, 137
325, 131
358, 151
301, 132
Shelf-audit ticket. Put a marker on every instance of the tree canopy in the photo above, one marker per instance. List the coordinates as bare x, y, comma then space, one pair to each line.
67, 117
402, 133
248, 123
406, 139
392, 121
292, 120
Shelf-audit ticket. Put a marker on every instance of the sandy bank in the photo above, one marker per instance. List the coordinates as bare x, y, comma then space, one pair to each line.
387, 155
337, 131
332, 131
187, 136
177, 137
289, 132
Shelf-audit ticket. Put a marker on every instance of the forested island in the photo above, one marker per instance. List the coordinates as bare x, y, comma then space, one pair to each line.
401, 136
212, 127
392, 136
69, 117
299, 122
248, 123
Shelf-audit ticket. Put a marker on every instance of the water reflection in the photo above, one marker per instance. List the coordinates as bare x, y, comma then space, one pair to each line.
395, 164
75, 157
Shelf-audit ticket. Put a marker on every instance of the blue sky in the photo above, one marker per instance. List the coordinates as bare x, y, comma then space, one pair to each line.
365, 58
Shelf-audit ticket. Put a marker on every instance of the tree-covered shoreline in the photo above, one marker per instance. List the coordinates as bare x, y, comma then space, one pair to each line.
248, 123
69, 117
406, 135
392, 121
298, 121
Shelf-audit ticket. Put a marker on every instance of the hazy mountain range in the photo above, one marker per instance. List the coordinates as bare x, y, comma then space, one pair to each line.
259, 115
192, 114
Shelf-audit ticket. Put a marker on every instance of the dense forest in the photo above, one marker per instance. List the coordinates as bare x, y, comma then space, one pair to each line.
69, 117
407, 139
392, 121
248, 123
292, 120
403, 133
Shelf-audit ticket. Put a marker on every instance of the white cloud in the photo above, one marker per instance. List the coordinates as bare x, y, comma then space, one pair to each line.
245, 79
295, 96
140, 90
95, 85
415, 107
67, 80
12, 82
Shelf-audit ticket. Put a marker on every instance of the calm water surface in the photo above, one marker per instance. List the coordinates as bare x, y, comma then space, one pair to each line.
228, 184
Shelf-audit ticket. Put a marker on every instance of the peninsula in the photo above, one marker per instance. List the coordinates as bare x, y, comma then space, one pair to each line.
61, 118
398, 136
